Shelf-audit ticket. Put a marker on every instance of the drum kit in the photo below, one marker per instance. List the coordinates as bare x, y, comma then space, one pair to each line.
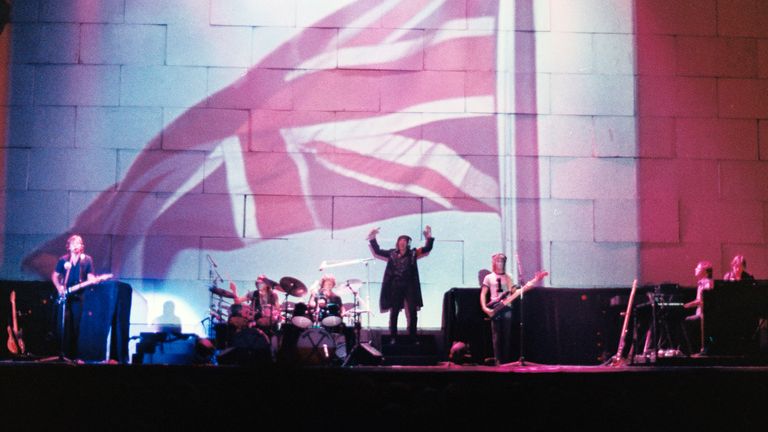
319, 335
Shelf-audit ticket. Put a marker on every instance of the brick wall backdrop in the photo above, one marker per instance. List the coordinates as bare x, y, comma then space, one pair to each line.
643, 123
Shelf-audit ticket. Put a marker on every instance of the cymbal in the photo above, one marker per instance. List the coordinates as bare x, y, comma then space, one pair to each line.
292, 286
350, 285
287, 306
221, 292
355, 312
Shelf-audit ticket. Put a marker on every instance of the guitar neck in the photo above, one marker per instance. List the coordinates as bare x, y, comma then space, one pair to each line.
508, 297
13, 312
84, 284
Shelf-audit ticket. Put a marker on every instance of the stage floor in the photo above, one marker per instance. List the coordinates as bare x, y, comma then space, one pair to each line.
533, 397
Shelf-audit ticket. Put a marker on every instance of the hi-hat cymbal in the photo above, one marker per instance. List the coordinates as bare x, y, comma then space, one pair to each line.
222, 292
287, 306
292, 286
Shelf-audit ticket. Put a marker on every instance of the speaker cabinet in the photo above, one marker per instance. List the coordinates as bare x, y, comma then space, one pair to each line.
364, 355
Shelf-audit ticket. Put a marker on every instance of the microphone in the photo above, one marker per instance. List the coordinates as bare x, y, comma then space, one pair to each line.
210, 260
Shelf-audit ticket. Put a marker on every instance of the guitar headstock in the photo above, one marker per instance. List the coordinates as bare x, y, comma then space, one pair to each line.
541, 274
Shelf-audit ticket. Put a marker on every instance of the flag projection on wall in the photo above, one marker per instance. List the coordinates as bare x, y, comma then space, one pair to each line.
376, 99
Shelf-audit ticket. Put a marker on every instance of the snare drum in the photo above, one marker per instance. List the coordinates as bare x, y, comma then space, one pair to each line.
330, 315
301, 317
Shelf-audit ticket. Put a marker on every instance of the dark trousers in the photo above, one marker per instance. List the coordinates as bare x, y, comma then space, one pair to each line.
410, 315
72, 318
501, 333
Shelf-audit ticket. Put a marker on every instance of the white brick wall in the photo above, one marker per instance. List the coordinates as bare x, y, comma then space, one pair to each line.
632, 168
593, 16
128, 44
593, 178
167, 11
253, 13
54, 169
171, 86
17, 169
203, 45
82, 11
46, 43
118, 127
45, 126
77, 85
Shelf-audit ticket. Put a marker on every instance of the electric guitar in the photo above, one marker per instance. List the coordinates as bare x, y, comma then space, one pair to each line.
15, 344
74, 288
508, 297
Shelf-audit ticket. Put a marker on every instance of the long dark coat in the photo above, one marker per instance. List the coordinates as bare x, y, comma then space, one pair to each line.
389, 298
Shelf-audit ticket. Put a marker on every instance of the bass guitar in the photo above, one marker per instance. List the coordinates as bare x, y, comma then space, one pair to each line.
508, 297
15, 343
75, 288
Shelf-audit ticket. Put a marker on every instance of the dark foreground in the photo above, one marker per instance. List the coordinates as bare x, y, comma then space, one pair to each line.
534, 397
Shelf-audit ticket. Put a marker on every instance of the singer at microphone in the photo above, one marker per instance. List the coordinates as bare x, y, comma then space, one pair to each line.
72, 269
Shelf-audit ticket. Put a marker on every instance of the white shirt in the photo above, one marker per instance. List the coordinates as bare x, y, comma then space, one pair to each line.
492, 282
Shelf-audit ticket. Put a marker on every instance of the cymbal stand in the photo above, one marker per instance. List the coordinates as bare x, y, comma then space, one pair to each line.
284, 310
213, 277
357, 328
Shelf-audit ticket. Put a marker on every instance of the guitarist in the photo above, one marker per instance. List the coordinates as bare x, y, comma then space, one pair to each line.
71, 269
499, 284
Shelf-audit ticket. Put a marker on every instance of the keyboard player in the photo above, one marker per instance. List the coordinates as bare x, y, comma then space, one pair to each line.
705, 281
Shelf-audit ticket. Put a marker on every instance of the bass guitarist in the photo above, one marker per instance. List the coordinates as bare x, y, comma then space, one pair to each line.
503, 292
72, 269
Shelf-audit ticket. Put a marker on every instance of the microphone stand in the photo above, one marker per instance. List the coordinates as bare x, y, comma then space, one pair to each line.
62, 300
521, 281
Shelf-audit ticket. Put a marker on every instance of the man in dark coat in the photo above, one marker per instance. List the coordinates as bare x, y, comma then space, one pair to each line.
401, 287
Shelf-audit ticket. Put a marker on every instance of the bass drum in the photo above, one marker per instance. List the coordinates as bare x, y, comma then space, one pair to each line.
248, 346
315, 346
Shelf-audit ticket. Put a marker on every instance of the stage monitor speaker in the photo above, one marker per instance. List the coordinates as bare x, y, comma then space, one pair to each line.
164, 348
364, 355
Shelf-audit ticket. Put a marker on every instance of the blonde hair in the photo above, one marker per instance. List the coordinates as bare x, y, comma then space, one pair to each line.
327, 277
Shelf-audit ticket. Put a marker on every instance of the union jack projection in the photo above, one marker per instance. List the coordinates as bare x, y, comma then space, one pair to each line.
377, 99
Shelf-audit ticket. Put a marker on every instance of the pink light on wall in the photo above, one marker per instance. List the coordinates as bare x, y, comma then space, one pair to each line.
701, 180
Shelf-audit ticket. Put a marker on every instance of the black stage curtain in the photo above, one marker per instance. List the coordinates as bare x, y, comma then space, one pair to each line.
561, 325
106, 307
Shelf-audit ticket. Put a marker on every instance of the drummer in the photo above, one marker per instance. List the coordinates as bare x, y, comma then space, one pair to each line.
266, 302
322, 294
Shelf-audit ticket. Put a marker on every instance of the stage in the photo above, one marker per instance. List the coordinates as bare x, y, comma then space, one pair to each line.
534, 397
